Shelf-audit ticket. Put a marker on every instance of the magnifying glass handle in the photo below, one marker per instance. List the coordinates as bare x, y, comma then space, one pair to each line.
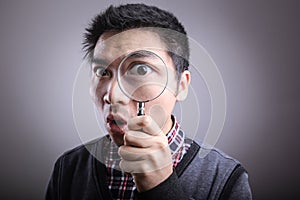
140, 108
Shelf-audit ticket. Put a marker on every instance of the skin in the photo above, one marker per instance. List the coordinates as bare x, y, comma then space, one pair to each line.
143, 145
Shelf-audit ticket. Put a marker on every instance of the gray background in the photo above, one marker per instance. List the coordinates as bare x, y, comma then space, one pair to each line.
254, 43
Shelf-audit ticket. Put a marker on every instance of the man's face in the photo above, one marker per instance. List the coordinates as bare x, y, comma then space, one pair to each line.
115, 106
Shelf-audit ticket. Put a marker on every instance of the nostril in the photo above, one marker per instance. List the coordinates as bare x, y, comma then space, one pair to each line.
106, 99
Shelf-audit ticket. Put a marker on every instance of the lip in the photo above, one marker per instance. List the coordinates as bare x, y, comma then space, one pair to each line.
116, 123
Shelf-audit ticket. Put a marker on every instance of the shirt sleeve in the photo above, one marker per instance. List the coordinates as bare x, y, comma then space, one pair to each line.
168, 189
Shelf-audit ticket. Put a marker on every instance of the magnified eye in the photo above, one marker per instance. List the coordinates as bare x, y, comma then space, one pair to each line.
100, 72
140, 70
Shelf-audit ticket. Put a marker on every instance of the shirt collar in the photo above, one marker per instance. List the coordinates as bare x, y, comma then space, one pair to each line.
176, 139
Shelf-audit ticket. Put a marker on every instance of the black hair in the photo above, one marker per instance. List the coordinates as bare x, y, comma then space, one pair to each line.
131, 16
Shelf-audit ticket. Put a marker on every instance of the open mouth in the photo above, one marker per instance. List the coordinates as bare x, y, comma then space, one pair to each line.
116, 124
119, 122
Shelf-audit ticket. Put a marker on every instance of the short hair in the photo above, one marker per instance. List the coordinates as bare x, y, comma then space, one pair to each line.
130, 16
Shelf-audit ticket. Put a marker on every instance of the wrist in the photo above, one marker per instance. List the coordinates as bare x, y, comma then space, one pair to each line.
149, 180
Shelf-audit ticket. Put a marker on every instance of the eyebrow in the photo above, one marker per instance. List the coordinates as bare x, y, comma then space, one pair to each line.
136, 54
142, 54
99, 61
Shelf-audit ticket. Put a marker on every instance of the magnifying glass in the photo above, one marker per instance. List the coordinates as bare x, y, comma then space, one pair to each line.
142, 76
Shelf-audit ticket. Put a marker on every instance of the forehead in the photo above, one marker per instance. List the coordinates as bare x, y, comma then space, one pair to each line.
114, 45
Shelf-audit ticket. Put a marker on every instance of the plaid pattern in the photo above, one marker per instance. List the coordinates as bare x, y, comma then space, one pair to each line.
120, 184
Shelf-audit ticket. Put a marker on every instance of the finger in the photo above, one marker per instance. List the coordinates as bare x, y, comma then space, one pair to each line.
143, 140
139, 166
139, 139
134, 153
146, 123
135, 163
130, 153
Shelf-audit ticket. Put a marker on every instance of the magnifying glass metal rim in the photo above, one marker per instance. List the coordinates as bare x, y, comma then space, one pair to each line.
119, 77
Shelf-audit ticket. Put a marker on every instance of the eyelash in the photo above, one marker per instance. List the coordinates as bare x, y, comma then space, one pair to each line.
103, 70
139, 64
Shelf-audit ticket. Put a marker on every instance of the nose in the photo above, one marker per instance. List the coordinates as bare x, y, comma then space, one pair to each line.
114, 94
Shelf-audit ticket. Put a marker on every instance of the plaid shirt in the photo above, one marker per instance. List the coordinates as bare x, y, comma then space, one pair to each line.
120, 184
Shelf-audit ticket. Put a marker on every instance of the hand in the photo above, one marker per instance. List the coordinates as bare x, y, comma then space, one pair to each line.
145, 153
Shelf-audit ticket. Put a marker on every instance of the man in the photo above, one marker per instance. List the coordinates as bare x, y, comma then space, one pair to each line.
147, 156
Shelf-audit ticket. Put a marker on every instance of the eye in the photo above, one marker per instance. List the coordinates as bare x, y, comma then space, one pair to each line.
101, 72
139, 70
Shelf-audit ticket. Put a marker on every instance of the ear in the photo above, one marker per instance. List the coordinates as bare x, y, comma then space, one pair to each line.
183, 85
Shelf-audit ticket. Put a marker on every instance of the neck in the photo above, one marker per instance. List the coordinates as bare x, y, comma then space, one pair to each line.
168, 125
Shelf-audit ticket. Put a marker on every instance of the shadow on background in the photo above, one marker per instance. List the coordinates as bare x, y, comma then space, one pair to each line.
255, 44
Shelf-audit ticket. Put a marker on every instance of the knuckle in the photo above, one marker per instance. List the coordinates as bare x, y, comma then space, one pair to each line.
163, 143
121, 151
145, 121
122, 166
126, 137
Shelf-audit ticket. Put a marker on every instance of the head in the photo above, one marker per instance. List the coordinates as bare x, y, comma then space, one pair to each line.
132, 16
119, 31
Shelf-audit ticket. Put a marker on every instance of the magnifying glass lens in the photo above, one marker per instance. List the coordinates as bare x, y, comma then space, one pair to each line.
142, 76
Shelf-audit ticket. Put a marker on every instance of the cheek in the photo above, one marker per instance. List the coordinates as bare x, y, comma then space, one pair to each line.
97, 92
159, 114
161, 108
92, 91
